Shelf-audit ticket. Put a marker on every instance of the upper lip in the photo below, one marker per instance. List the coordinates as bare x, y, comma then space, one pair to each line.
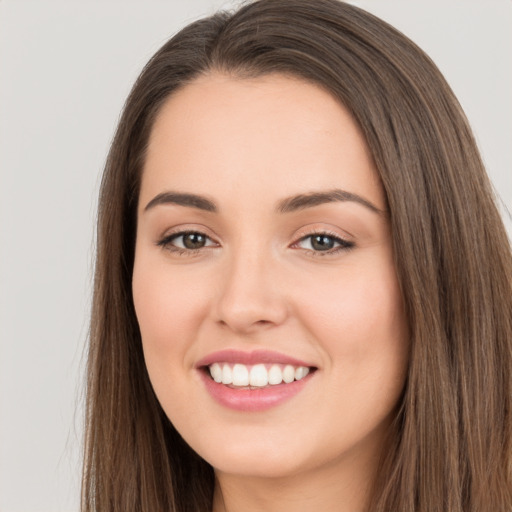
249, 358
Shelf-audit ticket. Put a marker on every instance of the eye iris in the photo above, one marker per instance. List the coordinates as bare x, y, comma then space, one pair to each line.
194, 240
322, 242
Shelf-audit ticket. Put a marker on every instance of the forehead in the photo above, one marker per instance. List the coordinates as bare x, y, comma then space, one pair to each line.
275, 134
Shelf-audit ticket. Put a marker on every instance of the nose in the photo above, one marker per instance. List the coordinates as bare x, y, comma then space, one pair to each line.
252, 294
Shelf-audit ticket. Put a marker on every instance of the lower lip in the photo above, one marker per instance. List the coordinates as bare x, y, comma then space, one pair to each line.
253, 400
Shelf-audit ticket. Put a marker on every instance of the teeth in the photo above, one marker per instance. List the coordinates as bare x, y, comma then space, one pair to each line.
259, 375
227, 374
216, 372
288, 374
240, 375
301, 372
275, 375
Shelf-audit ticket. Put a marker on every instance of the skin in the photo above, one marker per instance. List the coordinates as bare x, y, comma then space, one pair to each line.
259, 283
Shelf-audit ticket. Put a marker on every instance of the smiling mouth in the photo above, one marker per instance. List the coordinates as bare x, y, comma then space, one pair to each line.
242, 376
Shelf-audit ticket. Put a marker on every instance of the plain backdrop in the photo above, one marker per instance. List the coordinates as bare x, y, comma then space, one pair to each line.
65, 70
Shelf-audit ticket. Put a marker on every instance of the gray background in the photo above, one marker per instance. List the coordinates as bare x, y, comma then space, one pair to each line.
65, 70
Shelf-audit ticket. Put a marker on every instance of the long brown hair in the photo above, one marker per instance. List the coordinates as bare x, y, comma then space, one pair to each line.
453, 429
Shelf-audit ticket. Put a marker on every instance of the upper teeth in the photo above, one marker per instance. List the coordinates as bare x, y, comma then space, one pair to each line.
258, 375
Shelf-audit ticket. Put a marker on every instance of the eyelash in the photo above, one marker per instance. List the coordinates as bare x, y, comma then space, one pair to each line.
166, 243
343, 245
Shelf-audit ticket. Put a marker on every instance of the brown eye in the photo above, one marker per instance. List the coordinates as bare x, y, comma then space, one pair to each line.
324, 242
193, 240
186, 241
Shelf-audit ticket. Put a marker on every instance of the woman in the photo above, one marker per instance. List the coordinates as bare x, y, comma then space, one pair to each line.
303, 286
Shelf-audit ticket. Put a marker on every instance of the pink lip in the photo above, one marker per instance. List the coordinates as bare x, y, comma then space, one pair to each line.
249, 358
251, 400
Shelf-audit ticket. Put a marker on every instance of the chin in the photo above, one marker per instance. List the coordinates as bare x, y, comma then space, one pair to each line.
252, 456
257, 466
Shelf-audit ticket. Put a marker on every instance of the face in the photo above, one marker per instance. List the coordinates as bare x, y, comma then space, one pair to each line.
264, 285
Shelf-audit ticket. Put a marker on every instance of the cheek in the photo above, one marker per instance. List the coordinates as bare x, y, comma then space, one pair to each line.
169, 308
360, 323
362, 331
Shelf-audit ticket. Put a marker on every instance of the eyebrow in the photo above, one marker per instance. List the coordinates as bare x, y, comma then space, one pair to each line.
182, 199
303, 201
290, 204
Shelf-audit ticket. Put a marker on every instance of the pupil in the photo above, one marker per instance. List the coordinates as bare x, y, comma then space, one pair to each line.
193, 241
322, 243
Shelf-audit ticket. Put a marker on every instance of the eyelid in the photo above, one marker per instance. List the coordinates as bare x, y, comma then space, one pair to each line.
180, 229
323, 229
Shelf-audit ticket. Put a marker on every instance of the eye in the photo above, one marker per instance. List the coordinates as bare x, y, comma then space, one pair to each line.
324, 242
186, 241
